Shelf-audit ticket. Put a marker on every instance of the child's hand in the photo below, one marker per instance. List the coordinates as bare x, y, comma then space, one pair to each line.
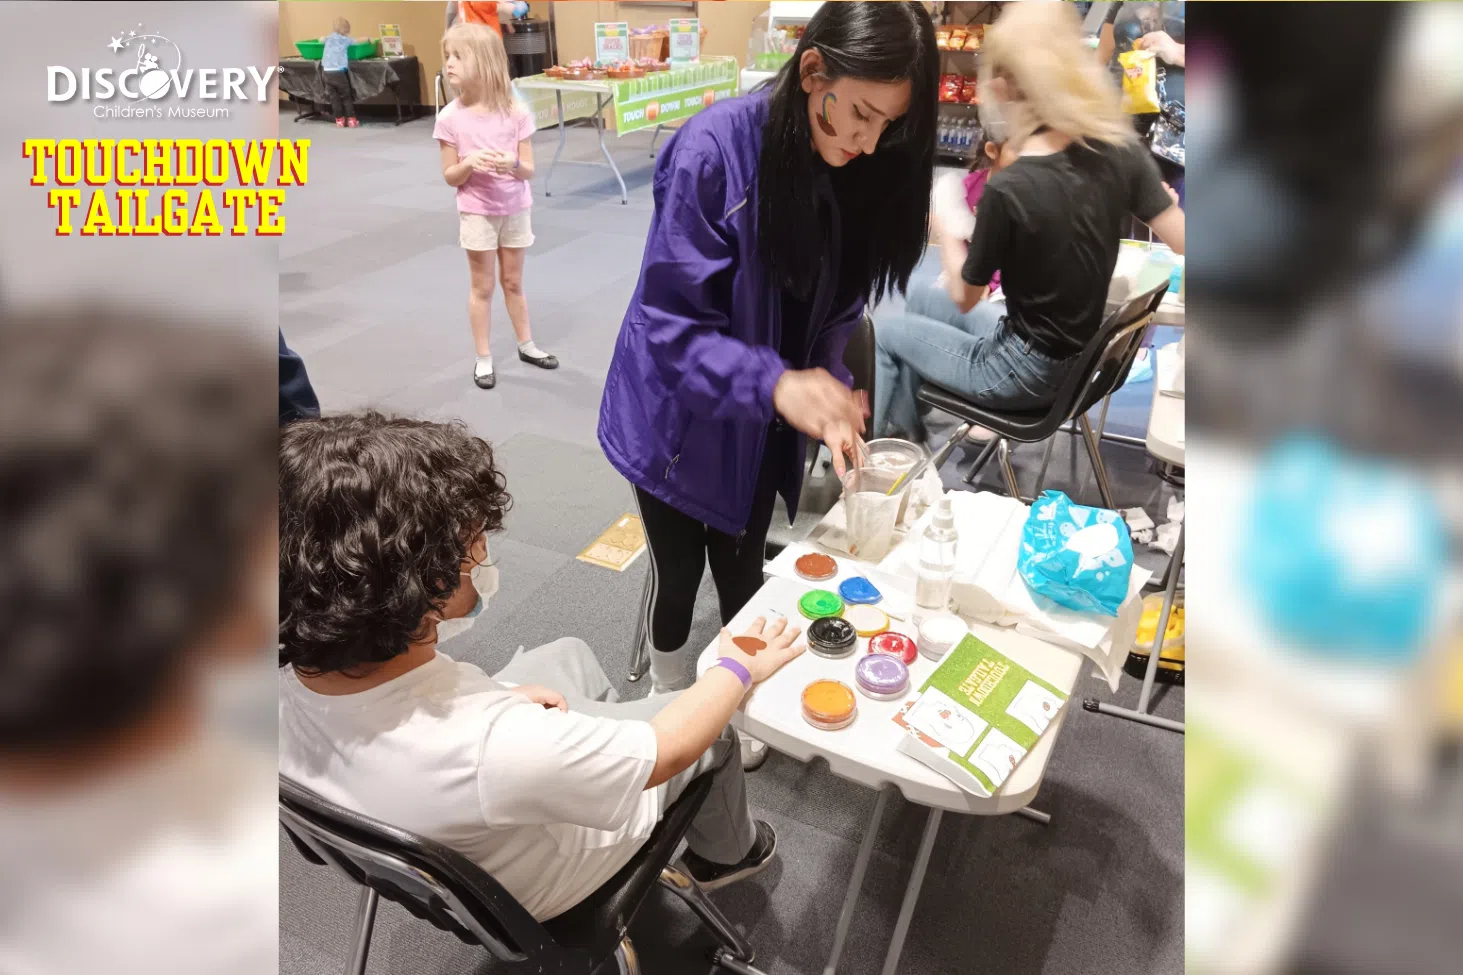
546, 696
481, 161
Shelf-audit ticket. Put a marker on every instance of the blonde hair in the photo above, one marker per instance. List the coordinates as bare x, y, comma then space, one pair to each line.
341, 25
485, 82
1055, 80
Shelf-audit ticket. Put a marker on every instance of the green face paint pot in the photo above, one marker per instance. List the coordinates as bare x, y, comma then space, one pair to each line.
818, 603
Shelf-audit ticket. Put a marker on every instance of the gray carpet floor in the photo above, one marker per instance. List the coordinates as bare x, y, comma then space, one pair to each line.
373, 294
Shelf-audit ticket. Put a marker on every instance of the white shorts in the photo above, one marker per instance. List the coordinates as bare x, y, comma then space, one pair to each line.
479, 232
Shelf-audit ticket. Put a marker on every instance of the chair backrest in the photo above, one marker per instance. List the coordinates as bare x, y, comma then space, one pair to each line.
435, 883
1103, 366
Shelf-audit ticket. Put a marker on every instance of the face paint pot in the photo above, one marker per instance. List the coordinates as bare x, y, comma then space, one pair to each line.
818, 603
859, 590
867, 620
881, 677
832, 636
829, 705
939, 634
895, 645
816, 567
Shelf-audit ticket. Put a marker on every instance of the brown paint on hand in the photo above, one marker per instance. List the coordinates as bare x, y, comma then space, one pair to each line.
749, 645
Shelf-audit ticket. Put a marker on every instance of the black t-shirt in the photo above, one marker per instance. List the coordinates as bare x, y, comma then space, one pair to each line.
1051, 226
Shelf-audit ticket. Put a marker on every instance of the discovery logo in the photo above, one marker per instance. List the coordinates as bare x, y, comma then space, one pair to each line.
152, 70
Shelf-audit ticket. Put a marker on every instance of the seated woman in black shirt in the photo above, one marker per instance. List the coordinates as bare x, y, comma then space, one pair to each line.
1050, 223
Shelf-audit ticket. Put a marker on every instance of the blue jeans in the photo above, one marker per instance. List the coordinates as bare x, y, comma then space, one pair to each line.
974, 353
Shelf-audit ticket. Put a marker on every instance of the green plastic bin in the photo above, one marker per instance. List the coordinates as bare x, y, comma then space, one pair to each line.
315, 50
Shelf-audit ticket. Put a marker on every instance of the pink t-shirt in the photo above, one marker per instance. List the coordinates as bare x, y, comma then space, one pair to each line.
468, 131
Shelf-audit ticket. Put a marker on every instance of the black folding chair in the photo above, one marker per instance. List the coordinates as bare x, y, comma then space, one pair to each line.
445, 888
1100, 369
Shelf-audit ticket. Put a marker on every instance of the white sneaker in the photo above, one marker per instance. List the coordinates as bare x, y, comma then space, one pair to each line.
979, 435
671, 671
754, 753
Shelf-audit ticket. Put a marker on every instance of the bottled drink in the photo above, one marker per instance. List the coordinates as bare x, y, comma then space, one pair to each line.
936, 562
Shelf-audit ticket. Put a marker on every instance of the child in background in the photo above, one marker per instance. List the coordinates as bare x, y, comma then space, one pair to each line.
487, 153
955, 206
335, 62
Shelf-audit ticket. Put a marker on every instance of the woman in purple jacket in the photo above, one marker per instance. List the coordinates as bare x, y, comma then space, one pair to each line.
777, 217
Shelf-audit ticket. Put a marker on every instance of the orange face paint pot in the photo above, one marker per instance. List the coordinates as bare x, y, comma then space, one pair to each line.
829, 704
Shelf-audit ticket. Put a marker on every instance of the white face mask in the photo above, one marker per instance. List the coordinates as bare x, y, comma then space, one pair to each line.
992, 118
484, 578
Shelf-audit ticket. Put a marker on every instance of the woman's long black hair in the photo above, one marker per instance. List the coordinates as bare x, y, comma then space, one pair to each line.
883, 198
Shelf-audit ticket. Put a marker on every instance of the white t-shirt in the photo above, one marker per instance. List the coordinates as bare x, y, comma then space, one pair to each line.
550, 804
171, 869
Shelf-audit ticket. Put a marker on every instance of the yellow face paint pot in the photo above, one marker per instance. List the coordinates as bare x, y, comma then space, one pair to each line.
866, 620
829, 704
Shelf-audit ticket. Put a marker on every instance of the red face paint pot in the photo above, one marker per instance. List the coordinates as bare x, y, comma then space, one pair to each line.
894, 645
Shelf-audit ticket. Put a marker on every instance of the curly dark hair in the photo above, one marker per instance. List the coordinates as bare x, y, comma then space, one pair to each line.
136, 483
376, 515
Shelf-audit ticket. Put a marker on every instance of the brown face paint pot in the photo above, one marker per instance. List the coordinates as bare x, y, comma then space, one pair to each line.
816, 567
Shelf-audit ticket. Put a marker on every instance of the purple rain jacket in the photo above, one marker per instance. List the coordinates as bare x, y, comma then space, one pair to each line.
688, 399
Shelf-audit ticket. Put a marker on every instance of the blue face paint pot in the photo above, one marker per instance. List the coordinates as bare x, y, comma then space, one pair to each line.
859, 590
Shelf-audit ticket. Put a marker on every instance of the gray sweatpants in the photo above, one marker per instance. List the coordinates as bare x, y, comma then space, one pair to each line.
722, 831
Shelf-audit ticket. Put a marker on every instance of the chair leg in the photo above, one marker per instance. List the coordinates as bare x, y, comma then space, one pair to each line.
1007, 471
626, 957
675, 879
1046, 459
640, 652
365, 921
1090, 438
985, 455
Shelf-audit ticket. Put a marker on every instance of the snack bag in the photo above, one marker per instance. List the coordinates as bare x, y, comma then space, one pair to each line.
1140, 82
950, 86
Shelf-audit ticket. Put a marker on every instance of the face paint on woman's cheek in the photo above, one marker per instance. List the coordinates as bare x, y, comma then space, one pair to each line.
823, 120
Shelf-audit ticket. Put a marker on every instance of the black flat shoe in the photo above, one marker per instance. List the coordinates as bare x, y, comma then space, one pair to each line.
487, 381
714, 876
543, 362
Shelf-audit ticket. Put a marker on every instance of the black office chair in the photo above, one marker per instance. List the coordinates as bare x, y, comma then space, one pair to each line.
444, 887
858, 358
1099, 370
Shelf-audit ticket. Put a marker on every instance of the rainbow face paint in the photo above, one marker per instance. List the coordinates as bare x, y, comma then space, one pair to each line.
824, 119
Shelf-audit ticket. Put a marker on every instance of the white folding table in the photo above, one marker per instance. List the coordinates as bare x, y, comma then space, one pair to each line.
866, 751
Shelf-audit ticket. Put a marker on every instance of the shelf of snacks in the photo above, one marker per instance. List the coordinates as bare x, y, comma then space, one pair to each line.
966, 38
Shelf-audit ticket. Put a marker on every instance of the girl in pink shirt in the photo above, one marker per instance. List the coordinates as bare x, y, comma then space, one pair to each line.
487, 153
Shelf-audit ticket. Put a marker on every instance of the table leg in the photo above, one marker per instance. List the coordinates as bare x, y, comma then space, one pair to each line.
1035, 815
856, 882
911, 892
599, 124
653, 136
1141, 715
559, 103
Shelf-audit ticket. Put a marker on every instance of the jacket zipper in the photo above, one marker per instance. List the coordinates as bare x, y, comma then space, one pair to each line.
669, 467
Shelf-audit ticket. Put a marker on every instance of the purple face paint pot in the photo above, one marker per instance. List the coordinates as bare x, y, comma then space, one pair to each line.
881, 677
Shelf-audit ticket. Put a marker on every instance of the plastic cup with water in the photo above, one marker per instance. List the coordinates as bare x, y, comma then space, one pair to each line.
872, 514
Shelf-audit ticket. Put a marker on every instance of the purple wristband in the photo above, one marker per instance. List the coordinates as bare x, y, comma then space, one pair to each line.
743, 674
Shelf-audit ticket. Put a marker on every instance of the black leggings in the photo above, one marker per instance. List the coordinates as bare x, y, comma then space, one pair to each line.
680, 547
338, 83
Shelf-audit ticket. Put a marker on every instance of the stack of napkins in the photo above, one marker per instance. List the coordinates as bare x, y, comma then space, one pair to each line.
989, 589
